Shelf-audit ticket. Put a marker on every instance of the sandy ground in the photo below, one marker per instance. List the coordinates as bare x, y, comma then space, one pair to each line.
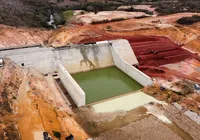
138, 7
188, 67
108, 15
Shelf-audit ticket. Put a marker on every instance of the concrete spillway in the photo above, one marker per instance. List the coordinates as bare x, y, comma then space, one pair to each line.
105, 83
80, 58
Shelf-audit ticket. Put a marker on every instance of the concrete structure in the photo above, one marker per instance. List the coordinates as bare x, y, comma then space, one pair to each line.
131, 71
124, 49
78, 58
75, 91
39, 58
84, 58
130, 101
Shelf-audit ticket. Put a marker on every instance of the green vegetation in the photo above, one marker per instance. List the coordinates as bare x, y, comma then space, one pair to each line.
43, 19
108, 27
36, 13
82, 12
60, 0
170, 7
131, 9
106, 21
67, 15
143, 16
57, 134
29, 13
189, 20
96, 6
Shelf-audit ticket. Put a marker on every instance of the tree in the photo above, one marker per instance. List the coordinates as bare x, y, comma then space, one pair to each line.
90, 8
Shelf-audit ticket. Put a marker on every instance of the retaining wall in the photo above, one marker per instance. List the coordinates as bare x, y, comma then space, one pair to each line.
131, 71
81, 58
75, 91
41, 59
123, 47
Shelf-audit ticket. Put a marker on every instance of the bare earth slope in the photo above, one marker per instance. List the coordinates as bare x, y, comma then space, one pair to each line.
21, 36
158, 26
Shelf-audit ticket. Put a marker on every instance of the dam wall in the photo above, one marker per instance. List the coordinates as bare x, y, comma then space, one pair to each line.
86, 57
39, 58
76, 59
127, 68
125, 51
74, 90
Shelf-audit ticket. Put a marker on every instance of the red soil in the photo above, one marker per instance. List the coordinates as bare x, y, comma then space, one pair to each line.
153, 52
155, 71
157, 51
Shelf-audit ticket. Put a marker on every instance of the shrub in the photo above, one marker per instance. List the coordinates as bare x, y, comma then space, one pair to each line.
189, 20
117, 19
108, 27
143, 16
67, 14
101, 21
131, 9
106, 21
82, 12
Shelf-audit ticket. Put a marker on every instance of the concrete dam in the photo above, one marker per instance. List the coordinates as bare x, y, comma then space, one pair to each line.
90, 73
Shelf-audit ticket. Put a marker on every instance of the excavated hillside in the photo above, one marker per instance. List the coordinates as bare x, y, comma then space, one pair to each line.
157, 26
22, 36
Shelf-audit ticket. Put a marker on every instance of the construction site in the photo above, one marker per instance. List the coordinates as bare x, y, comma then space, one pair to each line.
135, 79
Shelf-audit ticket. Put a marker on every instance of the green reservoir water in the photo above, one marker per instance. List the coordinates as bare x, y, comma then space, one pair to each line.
105, 83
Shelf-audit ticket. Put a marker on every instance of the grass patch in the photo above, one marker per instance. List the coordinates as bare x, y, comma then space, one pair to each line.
67, 14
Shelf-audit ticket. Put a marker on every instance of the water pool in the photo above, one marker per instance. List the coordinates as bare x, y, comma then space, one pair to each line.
105, 83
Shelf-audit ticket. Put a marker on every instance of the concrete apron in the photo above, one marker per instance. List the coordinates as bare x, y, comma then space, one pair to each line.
131, 101
126, 102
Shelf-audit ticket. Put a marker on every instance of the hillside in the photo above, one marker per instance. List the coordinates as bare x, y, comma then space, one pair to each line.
30, 13
36, 13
